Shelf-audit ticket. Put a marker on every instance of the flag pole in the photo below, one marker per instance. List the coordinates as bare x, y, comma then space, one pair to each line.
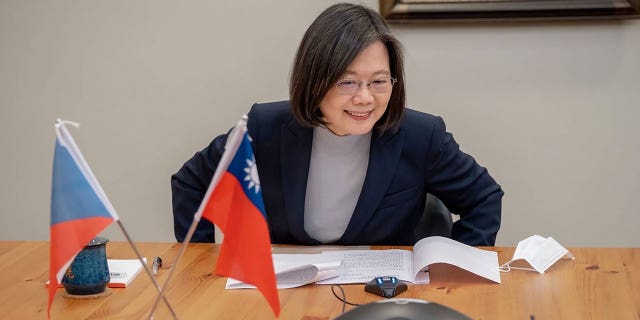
146, 268
174, 265
232, 138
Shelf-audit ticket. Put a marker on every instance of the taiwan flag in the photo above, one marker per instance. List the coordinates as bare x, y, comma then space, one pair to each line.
80, 209
234, 203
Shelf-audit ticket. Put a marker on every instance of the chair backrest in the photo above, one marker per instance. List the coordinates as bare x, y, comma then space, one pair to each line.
436, 220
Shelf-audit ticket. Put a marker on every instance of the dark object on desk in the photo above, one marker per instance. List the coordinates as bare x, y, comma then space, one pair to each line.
88, 274
401, 309
387, 287
157, 263
436, 220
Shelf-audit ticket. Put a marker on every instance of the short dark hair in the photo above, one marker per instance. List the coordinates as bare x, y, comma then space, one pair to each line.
330, 44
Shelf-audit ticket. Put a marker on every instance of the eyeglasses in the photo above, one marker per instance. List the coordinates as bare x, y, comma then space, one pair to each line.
378, 85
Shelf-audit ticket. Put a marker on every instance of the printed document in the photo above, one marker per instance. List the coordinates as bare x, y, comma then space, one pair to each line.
360, 266
295, 270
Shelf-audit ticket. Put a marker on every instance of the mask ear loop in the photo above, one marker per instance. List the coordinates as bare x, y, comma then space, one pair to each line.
507, 268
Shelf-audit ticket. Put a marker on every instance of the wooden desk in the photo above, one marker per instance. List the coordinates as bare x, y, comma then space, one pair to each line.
601, 283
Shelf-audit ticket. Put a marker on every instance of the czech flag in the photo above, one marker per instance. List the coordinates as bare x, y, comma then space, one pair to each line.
80, 210
234, 203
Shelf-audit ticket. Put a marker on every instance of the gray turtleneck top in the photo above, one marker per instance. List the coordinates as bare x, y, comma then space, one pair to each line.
337, 170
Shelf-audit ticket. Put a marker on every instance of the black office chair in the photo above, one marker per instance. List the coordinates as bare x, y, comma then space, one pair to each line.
436, 220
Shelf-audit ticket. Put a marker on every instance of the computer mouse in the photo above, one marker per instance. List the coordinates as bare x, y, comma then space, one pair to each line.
387, 287
402, 309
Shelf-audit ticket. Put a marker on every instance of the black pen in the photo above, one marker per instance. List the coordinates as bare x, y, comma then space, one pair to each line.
157, 263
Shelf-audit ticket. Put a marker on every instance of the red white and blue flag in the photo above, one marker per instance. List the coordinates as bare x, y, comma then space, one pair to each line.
234, 203
80, 209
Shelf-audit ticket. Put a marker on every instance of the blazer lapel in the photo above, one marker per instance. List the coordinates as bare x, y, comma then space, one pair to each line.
295, 152
384, 155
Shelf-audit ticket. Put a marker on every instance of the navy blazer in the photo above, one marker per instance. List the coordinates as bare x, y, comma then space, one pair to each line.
404, 165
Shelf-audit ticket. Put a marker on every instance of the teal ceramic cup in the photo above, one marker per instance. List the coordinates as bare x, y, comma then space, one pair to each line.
89, 271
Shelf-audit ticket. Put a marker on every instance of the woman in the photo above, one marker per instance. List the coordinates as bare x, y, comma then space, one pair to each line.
344, 162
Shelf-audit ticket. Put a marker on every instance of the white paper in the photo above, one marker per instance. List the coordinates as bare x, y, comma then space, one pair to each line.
123, 271
432, 250
360, 266
295, 270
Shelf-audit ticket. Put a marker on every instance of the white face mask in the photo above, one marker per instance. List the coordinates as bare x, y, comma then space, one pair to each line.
539, 252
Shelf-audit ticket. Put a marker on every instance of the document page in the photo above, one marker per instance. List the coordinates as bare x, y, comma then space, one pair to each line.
123, 271
295, 270
360, 266
444, 250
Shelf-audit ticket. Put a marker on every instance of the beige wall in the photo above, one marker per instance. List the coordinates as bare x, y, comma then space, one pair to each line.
549, 108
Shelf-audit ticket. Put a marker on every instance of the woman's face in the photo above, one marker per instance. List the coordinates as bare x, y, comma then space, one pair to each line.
357, 113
